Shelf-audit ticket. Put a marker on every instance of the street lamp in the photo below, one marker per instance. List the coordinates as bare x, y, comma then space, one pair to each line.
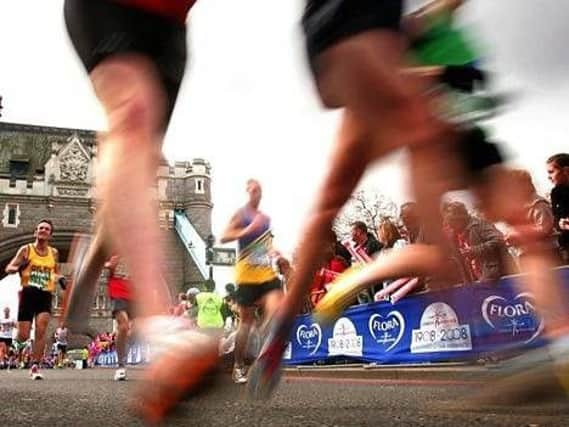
210, 241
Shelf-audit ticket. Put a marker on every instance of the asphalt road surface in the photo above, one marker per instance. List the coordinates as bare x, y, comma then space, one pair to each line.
91, 398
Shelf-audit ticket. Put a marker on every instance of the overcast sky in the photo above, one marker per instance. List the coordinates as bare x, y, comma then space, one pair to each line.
247, 104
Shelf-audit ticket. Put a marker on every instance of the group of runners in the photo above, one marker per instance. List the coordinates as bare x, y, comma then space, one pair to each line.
393, 74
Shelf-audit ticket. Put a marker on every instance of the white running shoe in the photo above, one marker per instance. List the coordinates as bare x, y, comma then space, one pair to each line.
35, 373
239, 376
120, 374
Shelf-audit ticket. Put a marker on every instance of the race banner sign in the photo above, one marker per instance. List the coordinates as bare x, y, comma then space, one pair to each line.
455, 324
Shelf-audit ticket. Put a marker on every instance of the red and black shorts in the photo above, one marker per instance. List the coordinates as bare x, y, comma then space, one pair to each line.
102, 28
119, 304
33, 301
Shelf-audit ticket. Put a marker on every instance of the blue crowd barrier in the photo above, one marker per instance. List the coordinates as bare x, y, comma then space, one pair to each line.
450, 325
137, 354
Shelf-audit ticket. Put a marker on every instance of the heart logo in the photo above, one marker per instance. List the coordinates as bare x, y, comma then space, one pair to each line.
309, 337
517, 315
387, 330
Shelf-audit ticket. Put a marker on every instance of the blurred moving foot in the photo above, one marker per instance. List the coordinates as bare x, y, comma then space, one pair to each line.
264, 375
35, 373
182, 361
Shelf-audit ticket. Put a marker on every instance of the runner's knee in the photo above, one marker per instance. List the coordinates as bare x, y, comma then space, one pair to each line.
130, 92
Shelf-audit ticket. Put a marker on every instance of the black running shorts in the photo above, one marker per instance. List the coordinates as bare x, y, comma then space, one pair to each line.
33, 301
248, 294
327, 22
476, 152
102, 28
118, 305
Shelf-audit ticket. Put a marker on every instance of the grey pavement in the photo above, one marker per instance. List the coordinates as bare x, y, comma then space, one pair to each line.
91, 398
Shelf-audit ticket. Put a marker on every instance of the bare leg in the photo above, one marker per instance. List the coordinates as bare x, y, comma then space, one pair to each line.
242, 337
128, 88
271, 302
85, 281
342, 177
24, 329
122, 337
42, 320
384, 111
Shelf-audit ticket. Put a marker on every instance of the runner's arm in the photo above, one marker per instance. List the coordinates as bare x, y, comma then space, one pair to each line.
18, 262
235, 230
232, 231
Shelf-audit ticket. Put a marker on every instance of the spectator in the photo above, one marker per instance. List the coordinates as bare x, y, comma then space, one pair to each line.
412, 228
366, 242
539, 233
340, 249
192, 306
181, 306
558, 173
482, 247
389, 235
364, 239
230, 290
228, 312
332, 265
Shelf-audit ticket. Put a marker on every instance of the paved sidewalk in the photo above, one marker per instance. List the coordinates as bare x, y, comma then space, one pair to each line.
434, 371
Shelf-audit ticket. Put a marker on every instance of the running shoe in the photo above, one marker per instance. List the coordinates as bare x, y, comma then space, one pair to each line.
35, 373
182, 361
120, 374
342, 292
265, 373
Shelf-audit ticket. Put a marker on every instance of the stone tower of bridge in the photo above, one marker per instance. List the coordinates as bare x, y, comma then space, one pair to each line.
48, 172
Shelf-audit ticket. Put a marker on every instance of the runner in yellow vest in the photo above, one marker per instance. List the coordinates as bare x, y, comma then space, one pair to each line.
37, 264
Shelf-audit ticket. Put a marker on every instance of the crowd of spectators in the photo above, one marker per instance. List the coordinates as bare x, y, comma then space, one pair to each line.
480, 251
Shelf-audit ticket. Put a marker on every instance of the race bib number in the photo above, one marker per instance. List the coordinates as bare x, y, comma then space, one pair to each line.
39, 277
259, 257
